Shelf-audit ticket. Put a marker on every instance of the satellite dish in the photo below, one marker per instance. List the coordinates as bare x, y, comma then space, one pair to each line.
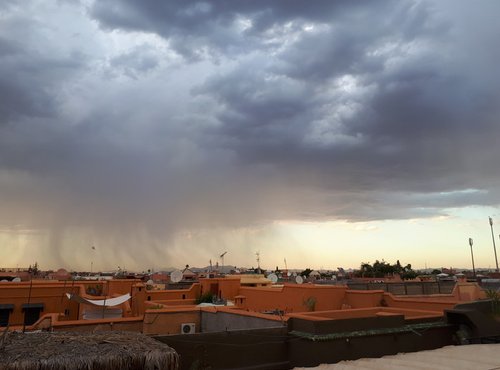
176, 276
4, 281
294, 274
150, 282
299, 279
273, 278
16, 280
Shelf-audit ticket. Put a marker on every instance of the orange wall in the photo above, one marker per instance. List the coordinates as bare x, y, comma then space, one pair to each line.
418, 304
176, 302
52, 295
289, 298
168, 321
120, 286
134, 324
468, 292
337, 314
227, 288
293, 298
363, 298
140, 296
164, 295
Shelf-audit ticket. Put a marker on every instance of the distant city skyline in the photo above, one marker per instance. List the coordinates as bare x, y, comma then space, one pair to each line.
326, 133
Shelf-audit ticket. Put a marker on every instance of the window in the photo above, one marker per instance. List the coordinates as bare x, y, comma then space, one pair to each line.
31, 312
5, 310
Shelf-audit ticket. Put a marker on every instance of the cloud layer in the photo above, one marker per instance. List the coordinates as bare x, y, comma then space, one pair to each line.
134, 121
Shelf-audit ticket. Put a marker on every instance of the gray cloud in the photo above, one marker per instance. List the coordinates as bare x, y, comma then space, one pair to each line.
137, 61
196, 29
241, 113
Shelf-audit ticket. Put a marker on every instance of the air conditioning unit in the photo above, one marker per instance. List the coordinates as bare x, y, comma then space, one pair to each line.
188, 328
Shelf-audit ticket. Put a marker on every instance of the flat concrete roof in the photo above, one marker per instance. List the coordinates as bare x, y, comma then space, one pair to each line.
466, 357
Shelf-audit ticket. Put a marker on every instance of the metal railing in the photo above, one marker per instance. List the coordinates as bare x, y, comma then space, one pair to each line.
407, 288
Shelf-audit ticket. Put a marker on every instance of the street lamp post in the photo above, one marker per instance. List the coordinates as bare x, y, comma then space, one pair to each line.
472, 255
494, 246
92, 259
222, 261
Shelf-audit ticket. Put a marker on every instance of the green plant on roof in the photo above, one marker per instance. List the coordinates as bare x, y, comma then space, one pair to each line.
495, 301
207, 297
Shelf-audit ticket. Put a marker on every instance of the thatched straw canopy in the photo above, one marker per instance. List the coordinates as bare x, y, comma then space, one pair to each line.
103, 350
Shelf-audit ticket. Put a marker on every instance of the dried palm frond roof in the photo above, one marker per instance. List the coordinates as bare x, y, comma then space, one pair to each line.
103, 350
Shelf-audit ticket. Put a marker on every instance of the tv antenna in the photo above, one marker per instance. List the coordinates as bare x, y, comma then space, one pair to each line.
258, 260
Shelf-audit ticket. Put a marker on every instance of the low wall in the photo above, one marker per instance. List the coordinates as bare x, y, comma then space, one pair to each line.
264, 349
407, 287
309, 352
50, 294
408, 314
275, 349
169, 320
294, 298
363, 299
217, 321
122, 324
468, 292
181, 294
418, 303
172, 302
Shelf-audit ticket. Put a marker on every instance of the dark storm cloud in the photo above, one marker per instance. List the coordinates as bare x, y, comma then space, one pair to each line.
354, 110
29, 80
196, 28
416, 128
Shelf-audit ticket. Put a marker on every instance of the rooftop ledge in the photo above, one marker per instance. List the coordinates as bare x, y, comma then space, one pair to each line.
412, 328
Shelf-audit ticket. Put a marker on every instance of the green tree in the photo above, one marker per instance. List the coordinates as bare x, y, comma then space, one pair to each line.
366, 270
382, 269
34, 269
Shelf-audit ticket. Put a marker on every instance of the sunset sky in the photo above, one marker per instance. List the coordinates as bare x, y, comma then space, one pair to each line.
327, 133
